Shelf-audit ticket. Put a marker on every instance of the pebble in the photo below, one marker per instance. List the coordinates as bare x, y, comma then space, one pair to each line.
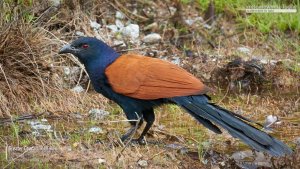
98, 114
172, 10
73, 70
67, 70
44, 120
207, 26
192, 21
39, 127
120, 15
119, 42
101, 161
263, 61
176, 60
78, 33
78, 89
113, 28
174, 146
142, 163
77, 115
151, 26
270, 120
95, 130
95, 25
132, 31
152, 38
119, 24
244, 50
260, 160
240, 155
55, 3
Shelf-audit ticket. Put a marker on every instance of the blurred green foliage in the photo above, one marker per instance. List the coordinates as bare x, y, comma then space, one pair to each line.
13, 9
264, 22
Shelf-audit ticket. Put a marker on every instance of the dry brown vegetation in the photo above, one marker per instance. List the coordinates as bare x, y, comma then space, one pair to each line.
32, 81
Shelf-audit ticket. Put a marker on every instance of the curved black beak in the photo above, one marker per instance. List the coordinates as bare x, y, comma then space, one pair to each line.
66, 49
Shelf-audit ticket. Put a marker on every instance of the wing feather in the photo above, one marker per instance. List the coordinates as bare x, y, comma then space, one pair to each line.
150, 78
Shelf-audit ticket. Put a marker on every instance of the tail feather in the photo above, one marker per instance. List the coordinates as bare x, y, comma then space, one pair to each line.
206, 123
204, 112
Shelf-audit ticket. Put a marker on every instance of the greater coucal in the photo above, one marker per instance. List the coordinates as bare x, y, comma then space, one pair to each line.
139, 83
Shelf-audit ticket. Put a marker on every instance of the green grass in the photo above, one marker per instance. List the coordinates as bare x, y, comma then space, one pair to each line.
14, 9
264, 22
293, 66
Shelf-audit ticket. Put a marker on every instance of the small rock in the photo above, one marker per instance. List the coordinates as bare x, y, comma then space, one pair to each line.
98, 114
78, 33
270, 120
55, 3
258, 159
189, 21
244, 50
174, 146
39, 127
120, 15
142, 163
172, 10
113, 28
101, 161
119, 43
73, 70
42, 127
240, 155
67, 70
192, 21
119, 24
44, 120
263, 61
222, 163
132, 31
151, 26
161, 127
207, 26
176, 60
204, 161
95, 25
78, 89
183, 150
273, 62
95, 130
77, 115
152, 38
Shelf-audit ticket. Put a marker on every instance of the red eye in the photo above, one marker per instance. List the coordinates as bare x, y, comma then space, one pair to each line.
84, 46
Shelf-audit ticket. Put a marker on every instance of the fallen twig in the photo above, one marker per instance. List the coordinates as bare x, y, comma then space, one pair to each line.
24, 117
129, 141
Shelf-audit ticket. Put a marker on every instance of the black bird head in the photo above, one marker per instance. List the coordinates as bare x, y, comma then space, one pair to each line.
88, 49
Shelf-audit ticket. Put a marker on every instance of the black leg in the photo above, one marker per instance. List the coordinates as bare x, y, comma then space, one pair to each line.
149, 117
132, 129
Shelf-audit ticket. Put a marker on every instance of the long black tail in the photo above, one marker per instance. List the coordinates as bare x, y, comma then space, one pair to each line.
206, 113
